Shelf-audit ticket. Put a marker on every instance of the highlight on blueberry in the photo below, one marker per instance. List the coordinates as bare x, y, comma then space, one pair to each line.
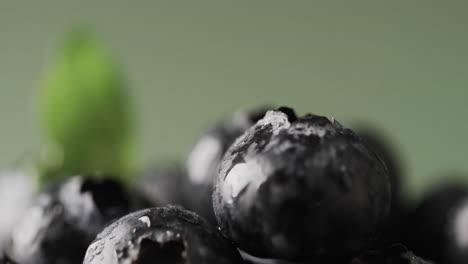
249, 259
65, 219
204, 158
301, 188
166, 235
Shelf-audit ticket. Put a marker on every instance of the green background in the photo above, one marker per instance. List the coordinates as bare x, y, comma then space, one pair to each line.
401, 65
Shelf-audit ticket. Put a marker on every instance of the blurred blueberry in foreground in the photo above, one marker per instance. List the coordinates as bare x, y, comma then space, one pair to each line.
64, 219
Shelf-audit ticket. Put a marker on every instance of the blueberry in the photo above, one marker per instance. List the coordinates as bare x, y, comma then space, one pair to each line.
165, 235
65, 219
438, 226
301, 188
394, 254
206, 154
163, 185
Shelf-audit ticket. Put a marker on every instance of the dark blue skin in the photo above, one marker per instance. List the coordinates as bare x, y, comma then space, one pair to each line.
301, 188
164, 235
65, 219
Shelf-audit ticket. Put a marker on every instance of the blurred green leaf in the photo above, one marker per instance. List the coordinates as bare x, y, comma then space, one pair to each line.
85, 111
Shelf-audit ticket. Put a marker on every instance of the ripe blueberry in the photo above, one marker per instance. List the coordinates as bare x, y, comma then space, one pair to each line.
301, 188
65, 219
165, 235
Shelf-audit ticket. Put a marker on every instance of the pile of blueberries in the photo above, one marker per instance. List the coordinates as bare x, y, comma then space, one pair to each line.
261, 186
